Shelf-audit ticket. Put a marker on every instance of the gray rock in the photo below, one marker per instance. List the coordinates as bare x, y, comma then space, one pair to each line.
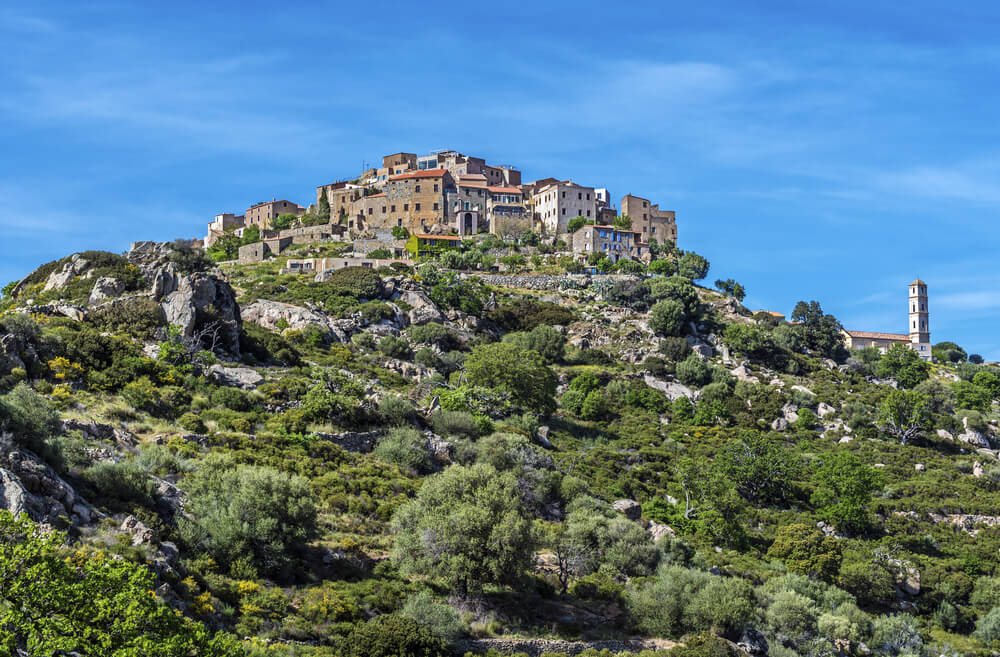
790, 412
743, 374
945, 435
105, 288
920, 467
543, 436
805, 390
141, 534
974, 438
780, 424
423, 310
13, 496
977, 470
657, 531
164, 281
236, 377
824, 409
170, 552
197, 292
752, 642
270, 313
671, 389
70, 270
628, 508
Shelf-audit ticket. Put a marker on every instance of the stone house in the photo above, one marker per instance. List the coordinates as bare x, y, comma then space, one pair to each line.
259, 251
881, 341
555, 204
612, 242
221, 224
506, 211
314, 265
262, 214
341, 196
649, 220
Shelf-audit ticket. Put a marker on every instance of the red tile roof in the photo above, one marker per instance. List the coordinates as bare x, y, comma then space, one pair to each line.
871, 335
504, 190
426, 173
380, 194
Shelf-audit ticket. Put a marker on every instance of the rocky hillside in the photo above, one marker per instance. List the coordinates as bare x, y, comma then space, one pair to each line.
222, 461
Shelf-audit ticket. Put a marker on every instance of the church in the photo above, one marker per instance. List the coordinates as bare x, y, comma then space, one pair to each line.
919, 337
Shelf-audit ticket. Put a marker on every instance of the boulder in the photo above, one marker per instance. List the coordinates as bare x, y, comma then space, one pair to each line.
163, 281
743, 374
805, 390
752, 642
671, 389
59, 279
198, 293
423, 310
628, 508
270, 314
780, 424
13, 497
236, 377
106, 287
141, 534
657, 531
543, 436
974, 438
920, 467
824, 409
790, 412
945, 435
977, 470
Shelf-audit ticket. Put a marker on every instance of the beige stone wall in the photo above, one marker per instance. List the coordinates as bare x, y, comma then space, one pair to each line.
556, 204
260, 215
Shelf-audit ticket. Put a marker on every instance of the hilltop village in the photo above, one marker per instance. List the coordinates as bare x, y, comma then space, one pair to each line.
413, 204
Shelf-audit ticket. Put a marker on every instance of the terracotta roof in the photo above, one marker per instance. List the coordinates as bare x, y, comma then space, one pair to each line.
426, 173
918, 282
437, 237
871, 335
379, 195
504, 190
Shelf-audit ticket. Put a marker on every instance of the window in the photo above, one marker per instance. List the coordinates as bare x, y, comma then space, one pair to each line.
383, 209
564, 194
564, 211
651, 230
579, 196
370, 210
406, 207
435, 206
416, 189
588, 213
435, 187
914, 325
604, 233
392, 208
416, 207
588, 196
644, 205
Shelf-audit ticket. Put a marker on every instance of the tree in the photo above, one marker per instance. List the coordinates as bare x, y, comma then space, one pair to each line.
693, 371
576, 223
693, 266
251, 234
529, 238
400, 233
819, 332
843, 489
731, 287
188, 257
807, 551
662, 267
596, 536
57, 601
467, 526
521, 373
903, 414
226, 247
948, 352
666, 317
547, 341
629, 266
902, 363
323, 209
759, 468
989, 381
29, 417
750, 340
976, 359
241, 511
284, 221
623, 222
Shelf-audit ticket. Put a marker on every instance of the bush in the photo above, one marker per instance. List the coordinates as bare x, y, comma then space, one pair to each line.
440, 619
395, 410
547, 341
142, 395
239, 511
455, 423
897, 634
693, 371
433, 334
526, 314
28, 416
667, 317
393, 636
191, 422
360, 282
394, 347
520, 373
138, 317
405, 447
675, 349
232, 398
121, 482
376, 311
189, 258
693, 266
988, 627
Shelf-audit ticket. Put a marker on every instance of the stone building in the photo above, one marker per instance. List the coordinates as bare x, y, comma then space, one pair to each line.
649, 220
506, 211
555, 204
262, 214
221, 224
919, 336
613, 243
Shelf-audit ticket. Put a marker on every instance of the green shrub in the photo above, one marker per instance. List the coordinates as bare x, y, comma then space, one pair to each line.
142, 395
405, 447
241, 511
393, 636
30, 417
693, 371
441, 619
138, 317
191, 422
525, 314
394, 347
545, 340
360, 282
395, 410
675, 349
455, 423
232, 398
376, 311
988, 627
125, 481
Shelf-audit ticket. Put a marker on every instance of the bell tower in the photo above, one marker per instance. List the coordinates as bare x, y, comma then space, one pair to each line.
920, 332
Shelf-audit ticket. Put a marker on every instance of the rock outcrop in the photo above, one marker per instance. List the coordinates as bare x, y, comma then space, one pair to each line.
236, 377
58, 279
195, 296
628, 508
105, 288
275, 314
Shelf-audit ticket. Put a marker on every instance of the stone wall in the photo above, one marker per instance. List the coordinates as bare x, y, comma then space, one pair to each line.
536, 647
362, 442
547, 281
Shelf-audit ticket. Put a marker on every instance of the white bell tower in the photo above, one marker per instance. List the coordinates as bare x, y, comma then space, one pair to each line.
920, 332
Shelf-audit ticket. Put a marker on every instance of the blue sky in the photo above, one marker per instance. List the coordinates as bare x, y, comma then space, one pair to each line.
810, 153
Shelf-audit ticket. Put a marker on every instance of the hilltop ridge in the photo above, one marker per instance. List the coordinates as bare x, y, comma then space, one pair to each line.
494, 446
